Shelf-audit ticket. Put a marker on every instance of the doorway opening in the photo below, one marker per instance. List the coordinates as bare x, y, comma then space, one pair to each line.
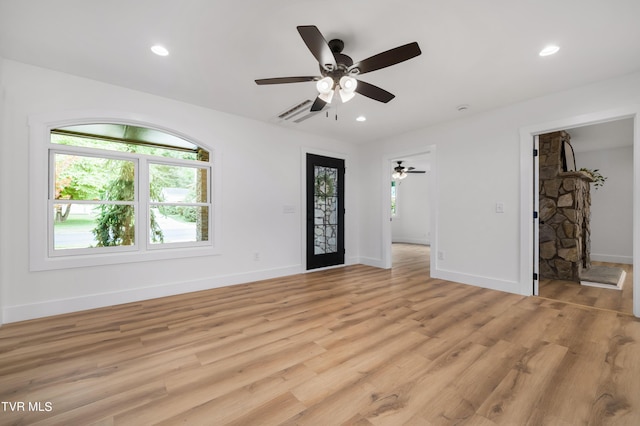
605, 143
409, 199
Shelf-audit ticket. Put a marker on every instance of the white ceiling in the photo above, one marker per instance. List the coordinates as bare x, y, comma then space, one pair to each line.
609, 135
481, 53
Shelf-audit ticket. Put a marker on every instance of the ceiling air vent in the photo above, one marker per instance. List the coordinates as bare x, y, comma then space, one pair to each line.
297, 113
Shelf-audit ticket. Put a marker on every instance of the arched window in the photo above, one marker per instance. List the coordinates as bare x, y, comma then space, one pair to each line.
125, 190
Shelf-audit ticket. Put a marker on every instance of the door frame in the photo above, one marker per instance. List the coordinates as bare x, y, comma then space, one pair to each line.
536, 216
528, 241
348, 206
336, 257
387, 166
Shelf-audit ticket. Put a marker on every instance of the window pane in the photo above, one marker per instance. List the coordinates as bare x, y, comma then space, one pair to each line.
326, 210
393, 198
177, 184
127, 138
178, 224
92, 225
80, 177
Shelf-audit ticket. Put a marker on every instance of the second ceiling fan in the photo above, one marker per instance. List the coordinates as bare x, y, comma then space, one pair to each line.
338, 70
401, 172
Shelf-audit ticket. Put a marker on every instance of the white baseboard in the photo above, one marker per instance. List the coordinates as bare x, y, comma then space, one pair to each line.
409, 240
64, 306
476, 280
627, 260
369, 261
350, 260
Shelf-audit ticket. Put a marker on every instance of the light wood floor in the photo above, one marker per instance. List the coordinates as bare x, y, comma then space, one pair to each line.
354, 345
572, 292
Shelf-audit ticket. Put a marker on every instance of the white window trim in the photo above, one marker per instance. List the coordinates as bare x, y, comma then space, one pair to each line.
147, 204
54, 149
40, 258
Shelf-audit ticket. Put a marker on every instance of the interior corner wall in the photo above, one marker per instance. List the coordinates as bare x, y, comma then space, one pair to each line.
262, 177
612, 204
479, 167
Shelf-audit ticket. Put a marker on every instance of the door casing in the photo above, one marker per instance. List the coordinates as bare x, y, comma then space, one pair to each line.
315, 261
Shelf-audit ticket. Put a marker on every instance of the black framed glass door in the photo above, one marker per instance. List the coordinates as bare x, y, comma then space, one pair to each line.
325, 211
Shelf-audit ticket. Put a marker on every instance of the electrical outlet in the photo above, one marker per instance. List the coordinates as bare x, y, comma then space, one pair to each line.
499, 207
256, 256
440, 255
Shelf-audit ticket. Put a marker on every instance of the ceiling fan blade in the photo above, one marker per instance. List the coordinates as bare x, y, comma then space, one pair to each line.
318, 46
282, 80
318, 104
373, 92
386, 59
415, 171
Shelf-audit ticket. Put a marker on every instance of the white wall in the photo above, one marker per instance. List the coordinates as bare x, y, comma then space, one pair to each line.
262, 172
612, 204
3, 178
478, 164
411, 224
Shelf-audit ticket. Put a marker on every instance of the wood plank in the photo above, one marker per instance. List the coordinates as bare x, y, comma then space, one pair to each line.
355, 368
459, 400
616, 399
354, 345
515, 399
400, 404
610, 299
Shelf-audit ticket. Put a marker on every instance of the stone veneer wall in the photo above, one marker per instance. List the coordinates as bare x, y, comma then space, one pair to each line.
565, 203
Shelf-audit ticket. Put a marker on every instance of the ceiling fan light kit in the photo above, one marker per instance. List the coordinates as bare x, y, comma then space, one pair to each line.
325, 85
348, 87
338, 70
325, 89
346, 97
399, 175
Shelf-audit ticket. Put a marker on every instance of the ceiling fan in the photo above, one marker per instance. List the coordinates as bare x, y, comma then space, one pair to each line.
338, 70
401, 172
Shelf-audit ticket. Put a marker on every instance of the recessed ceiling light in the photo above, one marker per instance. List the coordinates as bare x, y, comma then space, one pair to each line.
361, 118
549, 50
159, 50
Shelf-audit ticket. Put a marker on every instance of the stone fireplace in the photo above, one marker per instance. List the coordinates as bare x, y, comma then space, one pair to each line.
565, 203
